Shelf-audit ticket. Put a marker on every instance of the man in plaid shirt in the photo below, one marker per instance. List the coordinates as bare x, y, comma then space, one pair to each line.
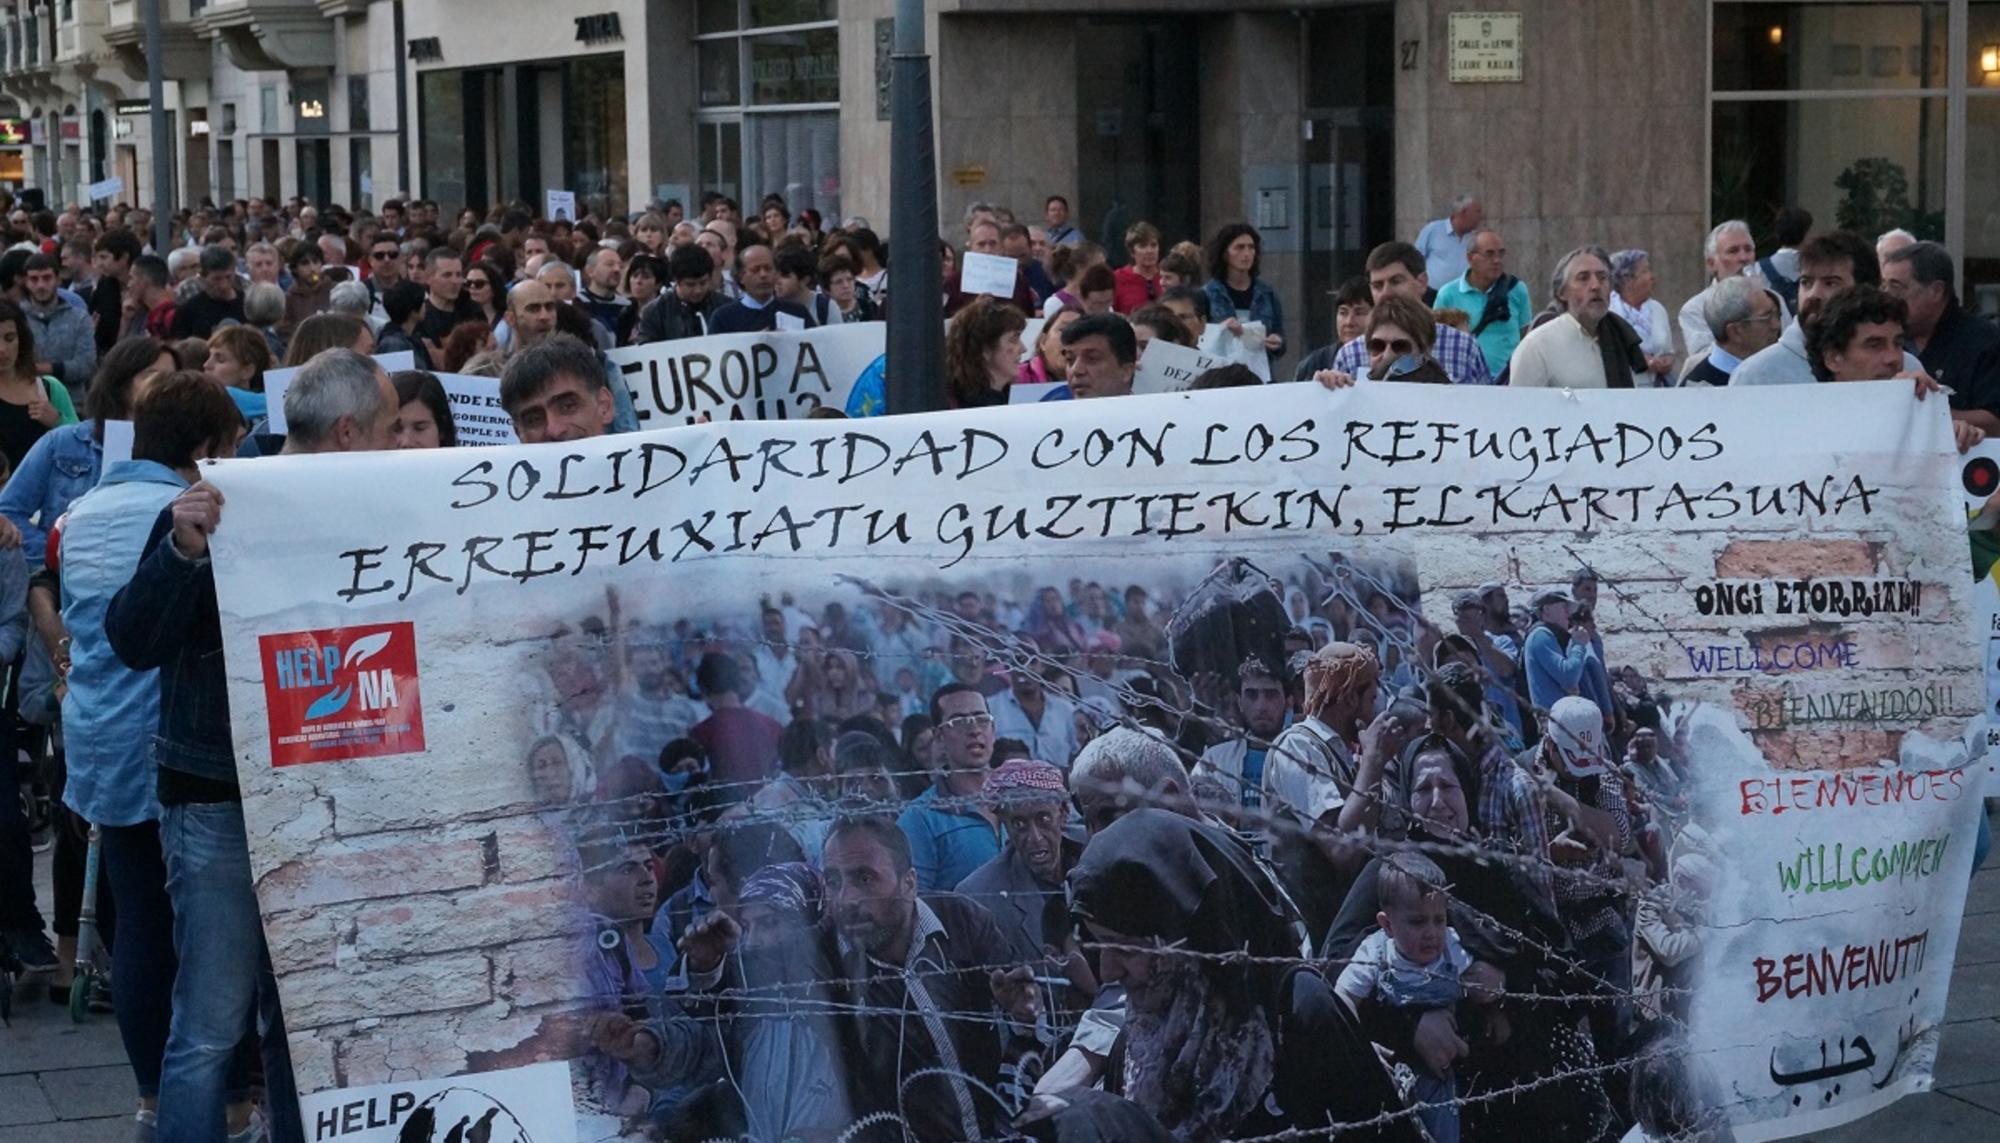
1397, 268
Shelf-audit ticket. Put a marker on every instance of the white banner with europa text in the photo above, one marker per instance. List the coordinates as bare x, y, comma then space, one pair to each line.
750, 376
490, 710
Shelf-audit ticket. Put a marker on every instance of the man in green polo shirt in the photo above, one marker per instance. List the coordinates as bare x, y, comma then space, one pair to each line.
1498, 329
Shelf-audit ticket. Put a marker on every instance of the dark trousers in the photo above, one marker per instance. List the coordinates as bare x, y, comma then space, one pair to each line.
71, 853
17, 855
143, 964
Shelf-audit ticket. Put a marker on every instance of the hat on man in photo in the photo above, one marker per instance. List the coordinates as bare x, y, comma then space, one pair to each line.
1576, 729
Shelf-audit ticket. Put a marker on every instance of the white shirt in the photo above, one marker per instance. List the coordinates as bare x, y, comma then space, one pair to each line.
1658, 340
1559, 355
1443, 251
1301, 772
1694, 323
1785, 362
1224, 763
775, 670
1054, 741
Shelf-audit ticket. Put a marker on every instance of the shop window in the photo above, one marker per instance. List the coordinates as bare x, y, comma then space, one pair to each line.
795, 67
1829, 47
594, 132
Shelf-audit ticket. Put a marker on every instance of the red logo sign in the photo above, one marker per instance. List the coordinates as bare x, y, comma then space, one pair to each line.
350, 692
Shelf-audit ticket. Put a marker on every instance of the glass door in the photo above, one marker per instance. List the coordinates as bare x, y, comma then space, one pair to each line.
1349, 153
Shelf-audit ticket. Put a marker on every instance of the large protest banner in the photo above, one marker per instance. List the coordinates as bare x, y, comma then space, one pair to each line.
431, 688
748, 376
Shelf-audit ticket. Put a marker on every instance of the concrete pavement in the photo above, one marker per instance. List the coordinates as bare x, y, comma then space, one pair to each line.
68, 1083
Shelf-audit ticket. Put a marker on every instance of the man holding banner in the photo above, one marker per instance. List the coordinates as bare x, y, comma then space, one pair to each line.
557, 391
166, 619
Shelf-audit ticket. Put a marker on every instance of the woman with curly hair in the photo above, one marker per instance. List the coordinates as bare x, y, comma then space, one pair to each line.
982, 353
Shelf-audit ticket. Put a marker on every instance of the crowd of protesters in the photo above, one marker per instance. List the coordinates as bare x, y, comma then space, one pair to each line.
964, 861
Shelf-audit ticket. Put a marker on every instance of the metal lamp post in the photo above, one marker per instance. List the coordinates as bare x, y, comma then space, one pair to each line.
915, 381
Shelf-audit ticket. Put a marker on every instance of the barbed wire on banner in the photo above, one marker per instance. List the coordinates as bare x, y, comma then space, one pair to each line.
1173, 699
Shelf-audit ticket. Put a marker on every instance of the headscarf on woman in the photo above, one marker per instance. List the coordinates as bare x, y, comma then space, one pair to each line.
1201, 1043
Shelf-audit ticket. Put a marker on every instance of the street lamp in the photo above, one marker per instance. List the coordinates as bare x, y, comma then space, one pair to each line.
915, 381
155, 81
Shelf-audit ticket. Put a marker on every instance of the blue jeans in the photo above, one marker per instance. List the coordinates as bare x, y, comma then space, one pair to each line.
224, 981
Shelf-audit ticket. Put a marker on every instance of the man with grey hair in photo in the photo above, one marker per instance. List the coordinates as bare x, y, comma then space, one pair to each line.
1444, 242
1730, 252
1744, 315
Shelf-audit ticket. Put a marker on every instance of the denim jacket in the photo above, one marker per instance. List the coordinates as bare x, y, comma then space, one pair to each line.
166, 619
60, 467
110, 711
1264, 307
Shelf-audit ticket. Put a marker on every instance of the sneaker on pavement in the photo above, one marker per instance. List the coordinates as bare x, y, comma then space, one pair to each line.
254, 1131
145, 1126
33, 950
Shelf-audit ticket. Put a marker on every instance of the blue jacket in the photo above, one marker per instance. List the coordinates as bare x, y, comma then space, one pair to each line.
1264, 307
166, 619
1553, 672
65, 338
110, 711
58, 469
947, 845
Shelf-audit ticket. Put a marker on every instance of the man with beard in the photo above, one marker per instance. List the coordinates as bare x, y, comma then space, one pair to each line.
1238, 764
1165, 900
1023, 887
626, 968
1587, 347
1315, 788
1829, 264
926, 1022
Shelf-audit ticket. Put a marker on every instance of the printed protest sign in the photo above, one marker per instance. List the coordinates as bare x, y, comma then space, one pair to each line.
1788, 670
276, 381
559, 204
519, 1105
1168, 368
1246, 348
988, 274
117, 444
476, 411
748, 376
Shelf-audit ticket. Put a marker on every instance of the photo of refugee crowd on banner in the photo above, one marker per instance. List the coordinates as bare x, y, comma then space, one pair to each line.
1156, 769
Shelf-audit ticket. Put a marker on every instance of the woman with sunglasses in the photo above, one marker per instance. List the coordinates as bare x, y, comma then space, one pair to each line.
482, 285
1401, 334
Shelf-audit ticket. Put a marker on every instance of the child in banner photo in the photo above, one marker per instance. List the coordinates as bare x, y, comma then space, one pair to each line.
1415, 960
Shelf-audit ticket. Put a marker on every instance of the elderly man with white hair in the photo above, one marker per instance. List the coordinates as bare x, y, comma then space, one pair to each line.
352, 298
1730, 252
1443, 241
1744, 315
1891, 242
